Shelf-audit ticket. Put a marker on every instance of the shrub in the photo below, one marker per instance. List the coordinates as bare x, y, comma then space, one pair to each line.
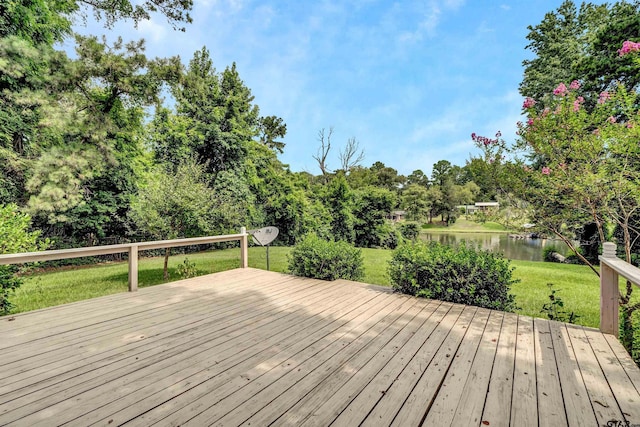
15, 237
547, 253
461, 274
388, 236
410, 230
327, 260
187, 269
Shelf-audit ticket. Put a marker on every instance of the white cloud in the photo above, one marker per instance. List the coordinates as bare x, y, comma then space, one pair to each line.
152, 31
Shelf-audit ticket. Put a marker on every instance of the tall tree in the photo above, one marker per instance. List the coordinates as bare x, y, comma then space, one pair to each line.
574, 43
217, 117
271, 128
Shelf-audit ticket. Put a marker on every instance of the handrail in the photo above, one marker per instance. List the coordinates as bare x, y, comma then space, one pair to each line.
132, 249
610, 268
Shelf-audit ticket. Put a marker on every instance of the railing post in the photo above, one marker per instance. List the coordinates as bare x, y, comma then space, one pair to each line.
244, 248
133, 268
609, 292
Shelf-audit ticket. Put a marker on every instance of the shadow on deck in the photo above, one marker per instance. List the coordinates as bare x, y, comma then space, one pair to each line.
252, 347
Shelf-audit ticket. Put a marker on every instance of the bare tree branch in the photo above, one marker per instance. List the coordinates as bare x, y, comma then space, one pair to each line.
350, 157
323, 150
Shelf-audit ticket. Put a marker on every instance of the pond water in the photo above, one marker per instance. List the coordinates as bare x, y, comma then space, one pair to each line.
522, 249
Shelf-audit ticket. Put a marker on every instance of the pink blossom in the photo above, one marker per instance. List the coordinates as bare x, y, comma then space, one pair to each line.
561, 90
596, 132
629, 125
603, 97
628, 47
611, 119
498, 134
528, 103
576, 104
546, 171
530, 122
574, 85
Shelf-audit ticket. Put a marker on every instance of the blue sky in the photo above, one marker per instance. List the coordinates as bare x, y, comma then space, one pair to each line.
410, 80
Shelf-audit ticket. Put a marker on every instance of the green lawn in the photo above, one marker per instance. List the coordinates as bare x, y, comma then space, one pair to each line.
577, 285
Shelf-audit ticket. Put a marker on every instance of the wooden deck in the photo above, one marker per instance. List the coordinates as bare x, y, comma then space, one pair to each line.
257, 348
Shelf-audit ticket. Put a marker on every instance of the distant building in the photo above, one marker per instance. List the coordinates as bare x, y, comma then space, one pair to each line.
487, 206
396, 216
479, 207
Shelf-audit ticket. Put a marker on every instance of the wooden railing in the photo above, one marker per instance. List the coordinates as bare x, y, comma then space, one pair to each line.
130, 248
610, 268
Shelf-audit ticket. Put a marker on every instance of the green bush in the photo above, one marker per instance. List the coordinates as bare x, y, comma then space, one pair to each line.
187, 269
327, 260
461, 274
387, 236
548, 251
410, 230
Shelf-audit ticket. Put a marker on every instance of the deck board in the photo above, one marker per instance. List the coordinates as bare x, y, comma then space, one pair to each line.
249, 347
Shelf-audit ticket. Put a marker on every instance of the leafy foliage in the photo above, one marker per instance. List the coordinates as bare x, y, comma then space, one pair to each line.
410, 230
461, 274
581, 44
326, 260
187, 269
554, 309
15, 237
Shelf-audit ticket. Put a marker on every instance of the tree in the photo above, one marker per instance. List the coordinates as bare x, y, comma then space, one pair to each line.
580, 44
588, 171
177, 12
217, 117
418, 177
174, 205
442, 172
323, 151
338, 199
272, 127
386, 177
351, 156
372, 205
15, 237
415, 200
89, 141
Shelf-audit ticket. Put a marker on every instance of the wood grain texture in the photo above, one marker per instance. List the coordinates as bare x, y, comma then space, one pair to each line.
250, 347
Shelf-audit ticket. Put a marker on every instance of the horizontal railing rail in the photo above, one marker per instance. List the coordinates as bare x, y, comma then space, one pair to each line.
132, 249
611, 267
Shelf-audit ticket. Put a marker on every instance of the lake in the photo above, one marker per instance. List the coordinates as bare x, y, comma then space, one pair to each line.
522, 249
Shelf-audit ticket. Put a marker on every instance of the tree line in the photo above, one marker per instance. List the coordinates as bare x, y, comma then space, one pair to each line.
91, 151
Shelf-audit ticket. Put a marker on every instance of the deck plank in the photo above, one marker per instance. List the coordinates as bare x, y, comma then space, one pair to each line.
253, 347
551, 410
472, 400
574, 393
244, 367
524, 404
313, 371
616, 376
602, 400
420, 399
497, 407
393, 398
219, 342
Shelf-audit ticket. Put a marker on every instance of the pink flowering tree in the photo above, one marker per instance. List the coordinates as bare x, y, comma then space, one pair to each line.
583, 161
585, 168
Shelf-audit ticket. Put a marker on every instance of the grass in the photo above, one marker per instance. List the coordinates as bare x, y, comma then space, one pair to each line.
576, 285
463, 225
